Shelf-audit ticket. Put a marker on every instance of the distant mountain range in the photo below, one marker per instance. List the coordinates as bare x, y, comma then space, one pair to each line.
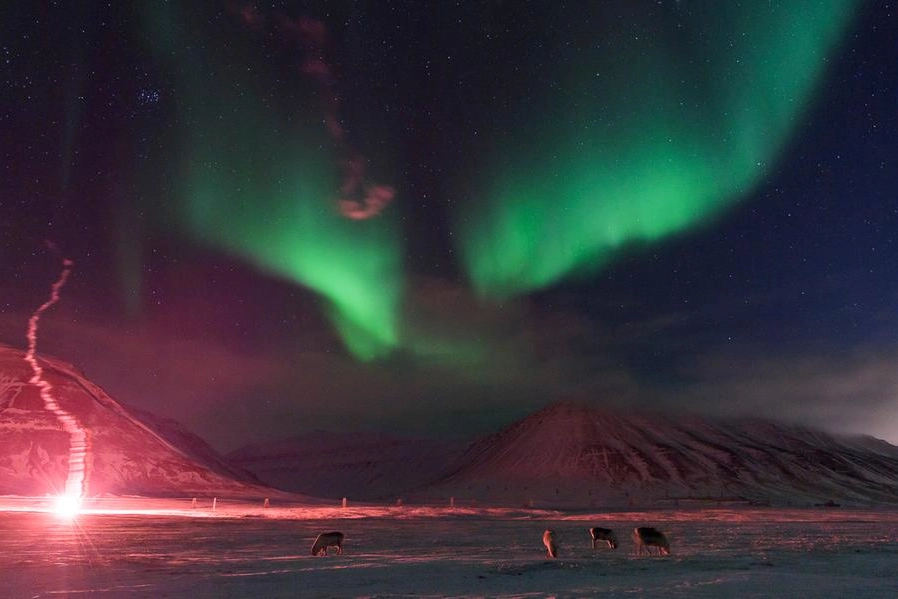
565, 455
131, 452
571, 455
360, 466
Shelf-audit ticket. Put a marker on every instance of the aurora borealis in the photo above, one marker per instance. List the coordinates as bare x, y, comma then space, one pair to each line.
263, 183
438, 218
645, 139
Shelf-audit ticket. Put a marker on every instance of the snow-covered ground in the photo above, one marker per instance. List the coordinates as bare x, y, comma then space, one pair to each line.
166, 548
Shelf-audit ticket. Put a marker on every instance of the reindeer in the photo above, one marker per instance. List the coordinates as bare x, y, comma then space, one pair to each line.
328, 539
603, 534
646, 536
549, 542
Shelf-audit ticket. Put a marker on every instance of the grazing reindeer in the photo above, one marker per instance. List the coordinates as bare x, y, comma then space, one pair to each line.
603, 534
328, 539
549, 542
646, 536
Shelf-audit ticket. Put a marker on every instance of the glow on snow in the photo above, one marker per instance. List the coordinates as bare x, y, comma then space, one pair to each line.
78, 437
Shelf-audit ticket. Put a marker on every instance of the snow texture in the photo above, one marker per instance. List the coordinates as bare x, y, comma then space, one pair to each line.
244, 551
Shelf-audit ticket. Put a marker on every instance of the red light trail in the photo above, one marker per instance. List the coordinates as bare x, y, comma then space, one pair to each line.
78, 437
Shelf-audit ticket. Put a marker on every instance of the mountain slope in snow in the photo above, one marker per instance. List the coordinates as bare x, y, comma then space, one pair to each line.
569, 454
130, 452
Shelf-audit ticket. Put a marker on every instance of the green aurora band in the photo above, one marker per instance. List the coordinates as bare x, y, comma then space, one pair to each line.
259, 179
662, 122
668, 120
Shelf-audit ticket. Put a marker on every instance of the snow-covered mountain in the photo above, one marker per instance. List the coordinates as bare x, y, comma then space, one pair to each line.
130, 452
361, 466
572, 455
563, 455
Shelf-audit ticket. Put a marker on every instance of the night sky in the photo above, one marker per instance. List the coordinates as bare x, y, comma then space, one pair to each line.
433, 218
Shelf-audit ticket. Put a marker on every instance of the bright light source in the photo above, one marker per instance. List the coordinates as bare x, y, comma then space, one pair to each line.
67, 506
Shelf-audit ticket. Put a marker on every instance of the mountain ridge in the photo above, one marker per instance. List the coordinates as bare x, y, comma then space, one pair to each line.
131, 452
568, 453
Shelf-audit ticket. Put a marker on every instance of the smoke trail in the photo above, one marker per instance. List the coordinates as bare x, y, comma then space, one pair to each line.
359, 199
78, 438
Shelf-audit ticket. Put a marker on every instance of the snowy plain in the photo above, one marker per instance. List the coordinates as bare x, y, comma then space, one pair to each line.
166, 548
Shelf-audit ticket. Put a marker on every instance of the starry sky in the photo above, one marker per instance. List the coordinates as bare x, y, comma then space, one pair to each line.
432, 219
